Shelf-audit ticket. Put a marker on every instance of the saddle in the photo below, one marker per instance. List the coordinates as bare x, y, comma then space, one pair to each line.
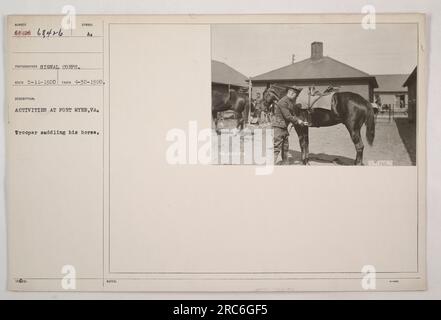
310, 97
318, 95
313, 96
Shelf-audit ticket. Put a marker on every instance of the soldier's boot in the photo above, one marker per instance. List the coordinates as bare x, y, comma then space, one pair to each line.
278, 141
285, 150
276, 156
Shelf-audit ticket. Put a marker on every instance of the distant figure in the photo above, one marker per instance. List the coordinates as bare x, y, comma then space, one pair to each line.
257, 107
376, 108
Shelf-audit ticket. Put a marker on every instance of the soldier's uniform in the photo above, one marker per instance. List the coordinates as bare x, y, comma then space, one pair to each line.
283, 116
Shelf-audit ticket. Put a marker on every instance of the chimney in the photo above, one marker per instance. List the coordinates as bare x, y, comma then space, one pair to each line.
293, 58
316, 50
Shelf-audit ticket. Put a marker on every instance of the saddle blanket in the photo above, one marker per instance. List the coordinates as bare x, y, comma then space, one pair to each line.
323, 102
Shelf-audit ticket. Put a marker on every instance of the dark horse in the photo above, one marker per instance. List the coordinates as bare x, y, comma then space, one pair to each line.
347, 108
237, 101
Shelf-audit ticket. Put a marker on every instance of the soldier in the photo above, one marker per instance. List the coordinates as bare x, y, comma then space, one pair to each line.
283, 116
257, 106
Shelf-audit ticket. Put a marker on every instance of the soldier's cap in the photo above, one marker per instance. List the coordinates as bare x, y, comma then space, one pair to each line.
296, 89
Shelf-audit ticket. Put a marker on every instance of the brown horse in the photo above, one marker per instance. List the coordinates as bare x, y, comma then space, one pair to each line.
347, 108
237, 101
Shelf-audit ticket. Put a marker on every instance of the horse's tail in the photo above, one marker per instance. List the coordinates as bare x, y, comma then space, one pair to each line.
370, 125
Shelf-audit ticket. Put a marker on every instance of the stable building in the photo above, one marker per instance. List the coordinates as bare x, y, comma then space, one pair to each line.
318, 71
224, 77
390, 94
411, 84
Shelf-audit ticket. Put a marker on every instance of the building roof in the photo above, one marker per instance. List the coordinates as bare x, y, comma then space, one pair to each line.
412, 77
308, 69
224, 74
391, 82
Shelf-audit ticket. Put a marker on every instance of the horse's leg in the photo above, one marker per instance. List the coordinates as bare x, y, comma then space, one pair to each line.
214, 120
354, 131
244, 109
306, 145
302, 133
302, 147
238, 109
300, 136
359, 147
240, 121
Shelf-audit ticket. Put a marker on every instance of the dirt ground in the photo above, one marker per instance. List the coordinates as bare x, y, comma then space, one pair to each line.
333, 145
394, 144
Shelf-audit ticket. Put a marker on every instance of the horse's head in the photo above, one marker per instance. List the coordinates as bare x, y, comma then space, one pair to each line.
273, 94
267, 99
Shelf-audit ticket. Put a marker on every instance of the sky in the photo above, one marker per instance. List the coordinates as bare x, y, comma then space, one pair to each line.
254, 49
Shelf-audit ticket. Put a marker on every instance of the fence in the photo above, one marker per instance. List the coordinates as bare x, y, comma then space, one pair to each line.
389, 112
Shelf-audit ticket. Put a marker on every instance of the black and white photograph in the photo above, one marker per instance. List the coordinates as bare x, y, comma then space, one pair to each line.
328, 94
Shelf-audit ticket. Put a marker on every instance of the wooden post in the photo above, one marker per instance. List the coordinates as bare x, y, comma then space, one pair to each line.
250, 87
309, 97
